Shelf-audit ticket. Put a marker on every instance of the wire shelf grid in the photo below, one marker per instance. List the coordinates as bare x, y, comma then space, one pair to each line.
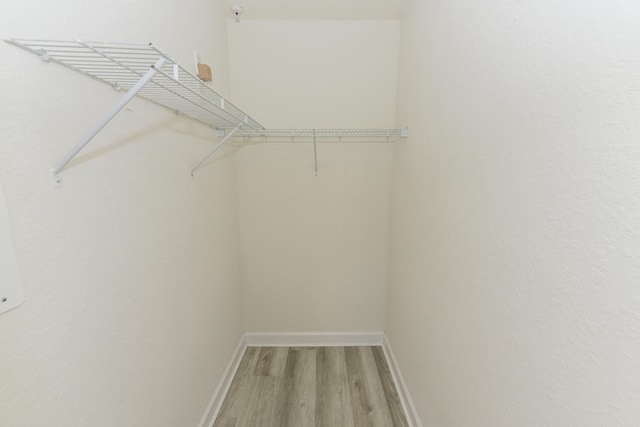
122, 65
333, 134
146, 71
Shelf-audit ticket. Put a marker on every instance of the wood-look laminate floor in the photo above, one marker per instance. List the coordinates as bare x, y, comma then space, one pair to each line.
312, 387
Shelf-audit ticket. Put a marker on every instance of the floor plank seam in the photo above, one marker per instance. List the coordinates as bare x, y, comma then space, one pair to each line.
312, 387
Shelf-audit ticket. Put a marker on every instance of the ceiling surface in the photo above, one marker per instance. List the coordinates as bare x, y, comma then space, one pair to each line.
319, 9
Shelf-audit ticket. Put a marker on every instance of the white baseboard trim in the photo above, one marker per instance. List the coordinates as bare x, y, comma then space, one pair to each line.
215, 404
405, 398
313, 339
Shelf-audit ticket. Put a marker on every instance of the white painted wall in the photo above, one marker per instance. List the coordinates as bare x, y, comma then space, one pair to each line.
11, 294
314, 249
131, 273
306, 74
514, 297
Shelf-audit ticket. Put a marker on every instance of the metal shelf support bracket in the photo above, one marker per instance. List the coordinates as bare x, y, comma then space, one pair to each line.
105, 120
216, 148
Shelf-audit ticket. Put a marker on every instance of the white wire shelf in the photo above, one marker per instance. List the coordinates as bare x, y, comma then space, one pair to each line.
346, 135
122, 65
144, 70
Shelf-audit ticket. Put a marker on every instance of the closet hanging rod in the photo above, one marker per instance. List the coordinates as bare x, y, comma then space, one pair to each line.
216, 148
350, 135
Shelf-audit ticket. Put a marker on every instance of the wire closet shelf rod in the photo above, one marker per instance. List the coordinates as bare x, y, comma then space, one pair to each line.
144, 70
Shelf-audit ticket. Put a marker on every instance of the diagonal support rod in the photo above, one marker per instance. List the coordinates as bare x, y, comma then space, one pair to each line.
315, 153
116, 109
216, 148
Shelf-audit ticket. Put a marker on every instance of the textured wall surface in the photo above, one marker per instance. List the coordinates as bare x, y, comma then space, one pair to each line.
131, 271
515, 276
315, 248
11, 295
515, 229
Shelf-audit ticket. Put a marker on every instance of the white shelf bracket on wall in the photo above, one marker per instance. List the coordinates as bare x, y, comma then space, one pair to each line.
315, 152
116, 109
325, 135
216, 148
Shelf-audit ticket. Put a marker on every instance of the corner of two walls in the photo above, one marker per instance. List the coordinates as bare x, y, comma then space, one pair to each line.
513, 297
131, 269
314, 248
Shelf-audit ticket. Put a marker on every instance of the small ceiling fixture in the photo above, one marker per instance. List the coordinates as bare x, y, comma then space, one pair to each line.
237, 11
